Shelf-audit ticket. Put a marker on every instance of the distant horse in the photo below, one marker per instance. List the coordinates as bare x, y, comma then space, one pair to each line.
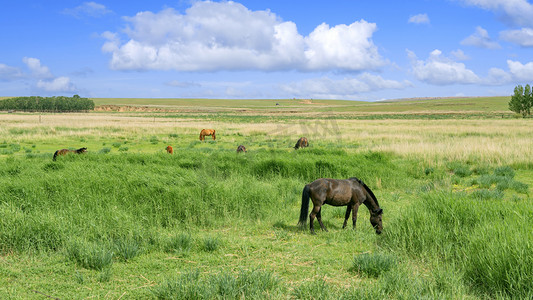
349, 192
170, 150
241, 148
301, 143
66, 151
205, 132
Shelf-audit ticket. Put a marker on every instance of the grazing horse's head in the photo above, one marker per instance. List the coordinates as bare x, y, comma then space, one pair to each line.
81, 150
376, 220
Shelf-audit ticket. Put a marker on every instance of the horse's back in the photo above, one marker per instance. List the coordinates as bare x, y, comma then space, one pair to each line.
337, 192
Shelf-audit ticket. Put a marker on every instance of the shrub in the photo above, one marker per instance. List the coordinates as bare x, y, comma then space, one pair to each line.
372, 265
127, 248
90, 256
179, 243
210, 244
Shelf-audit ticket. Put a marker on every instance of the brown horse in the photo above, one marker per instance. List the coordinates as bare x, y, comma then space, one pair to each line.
66, 151
349, 192
301, 143
170, 150
241, 148
205, 132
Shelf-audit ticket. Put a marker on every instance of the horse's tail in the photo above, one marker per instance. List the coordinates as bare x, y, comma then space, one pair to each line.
55, 155
305, 205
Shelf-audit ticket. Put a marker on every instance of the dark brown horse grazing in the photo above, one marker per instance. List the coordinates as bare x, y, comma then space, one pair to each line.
349, 192
301, 143
66, 151
241, 148
170, 150
205, 132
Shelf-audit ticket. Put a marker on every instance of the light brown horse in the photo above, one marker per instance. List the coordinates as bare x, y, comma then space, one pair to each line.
301, 143
170, 150
66, 151
241, 148
205, 132
350, 192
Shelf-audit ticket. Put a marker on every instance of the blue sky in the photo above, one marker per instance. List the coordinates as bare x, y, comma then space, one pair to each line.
337, 49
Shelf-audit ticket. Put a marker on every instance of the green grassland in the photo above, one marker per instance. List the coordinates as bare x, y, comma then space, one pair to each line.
129, 221
458, 105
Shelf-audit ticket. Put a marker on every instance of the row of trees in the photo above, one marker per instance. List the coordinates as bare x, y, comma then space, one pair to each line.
522, 100
48, 104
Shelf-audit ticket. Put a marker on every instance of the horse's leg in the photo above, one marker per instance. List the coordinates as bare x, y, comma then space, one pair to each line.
354, 214
348, 211
319, 218
312, 215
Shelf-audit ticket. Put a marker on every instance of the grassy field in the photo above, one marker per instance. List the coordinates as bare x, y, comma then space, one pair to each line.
126, 220
493, 105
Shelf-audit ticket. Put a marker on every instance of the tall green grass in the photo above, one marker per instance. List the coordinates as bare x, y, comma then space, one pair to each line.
488, 238
105, 197
450, 231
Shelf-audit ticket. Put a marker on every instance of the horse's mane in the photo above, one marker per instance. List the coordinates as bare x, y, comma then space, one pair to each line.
367, 189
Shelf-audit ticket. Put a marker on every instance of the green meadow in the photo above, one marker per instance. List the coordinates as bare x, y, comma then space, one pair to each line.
129, 221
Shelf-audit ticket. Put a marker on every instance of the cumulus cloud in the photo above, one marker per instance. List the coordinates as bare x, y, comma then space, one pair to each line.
8, 73
519, 71
515, 12
498, 77
523, 37
440, 70
419, 19
480, 39
41, 77
228, 36
59, 84
37, 70
326, 87
91, 9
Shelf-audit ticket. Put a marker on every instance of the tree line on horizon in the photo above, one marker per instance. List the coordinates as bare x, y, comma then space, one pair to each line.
522, 100
47, 104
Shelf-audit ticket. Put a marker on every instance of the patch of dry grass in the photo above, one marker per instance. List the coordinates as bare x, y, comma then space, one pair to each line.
494, 141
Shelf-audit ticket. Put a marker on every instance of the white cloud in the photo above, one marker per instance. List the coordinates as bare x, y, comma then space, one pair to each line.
182, 84
59, 84
419, 19
520, 71
343, 88
8, 73
91, 9
523, 37
498, 77
441, 70
228, 36
37, 70
460, 55
481, 39
343, 47
516, 12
